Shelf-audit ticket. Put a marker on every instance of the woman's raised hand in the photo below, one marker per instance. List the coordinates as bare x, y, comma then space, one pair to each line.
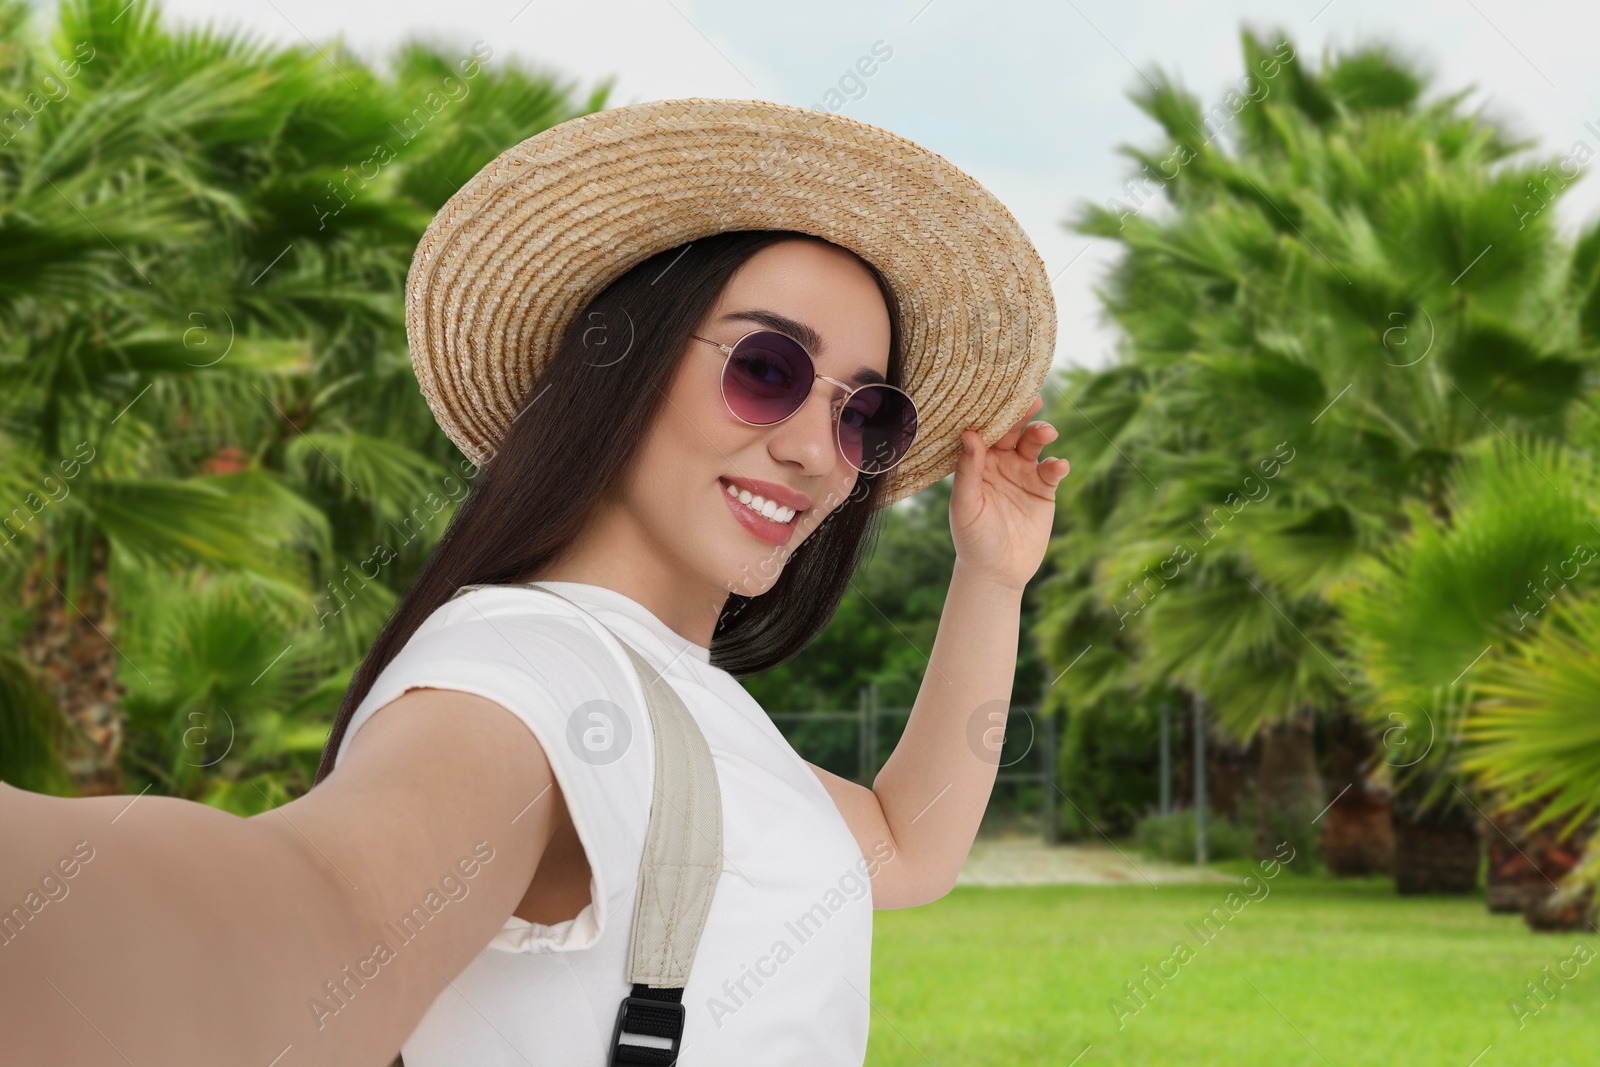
1004, 501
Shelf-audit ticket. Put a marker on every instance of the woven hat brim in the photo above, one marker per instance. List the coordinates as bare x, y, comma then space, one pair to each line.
513, 256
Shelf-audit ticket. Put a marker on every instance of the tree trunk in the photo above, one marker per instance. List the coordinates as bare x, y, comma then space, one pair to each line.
1528, 872
70, 639
1230, 768
1437, 848
1575, 906
1290, 791
1358, 838
1564, 912
1516, 877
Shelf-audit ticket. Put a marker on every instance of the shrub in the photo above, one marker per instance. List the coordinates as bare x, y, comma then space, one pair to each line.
1108, 767
1171, 837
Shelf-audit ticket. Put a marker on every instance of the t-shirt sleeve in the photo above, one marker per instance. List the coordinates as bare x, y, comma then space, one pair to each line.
567, 685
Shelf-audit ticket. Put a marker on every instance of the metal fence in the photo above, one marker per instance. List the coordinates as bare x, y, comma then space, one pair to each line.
855, 745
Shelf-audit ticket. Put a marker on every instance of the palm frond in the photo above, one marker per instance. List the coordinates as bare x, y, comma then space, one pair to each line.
1535, 732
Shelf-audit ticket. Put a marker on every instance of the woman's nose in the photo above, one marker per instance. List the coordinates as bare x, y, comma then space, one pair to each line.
807, 437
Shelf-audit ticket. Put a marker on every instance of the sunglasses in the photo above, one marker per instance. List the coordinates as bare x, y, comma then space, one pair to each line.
768, 375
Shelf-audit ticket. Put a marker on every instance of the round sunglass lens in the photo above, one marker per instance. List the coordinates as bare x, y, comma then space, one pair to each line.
876, 428
767, 377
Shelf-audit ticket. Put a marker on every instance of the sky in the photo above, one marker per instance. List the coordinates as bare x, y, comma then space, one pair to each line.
1028, 98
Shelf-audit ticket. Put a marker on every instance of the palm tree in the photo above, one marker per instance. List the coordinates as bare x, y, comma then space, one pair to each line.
1331, 304
1488, 625
87, 332
203, 373
1537, 734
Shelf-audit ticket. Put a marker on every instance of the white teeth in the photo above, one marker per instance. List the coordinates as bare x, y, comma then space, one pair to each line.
768, 508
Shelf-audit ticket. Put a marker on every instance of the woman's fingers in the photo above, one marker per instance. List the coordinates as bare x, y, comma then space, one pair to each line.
1033, 439
1010, 438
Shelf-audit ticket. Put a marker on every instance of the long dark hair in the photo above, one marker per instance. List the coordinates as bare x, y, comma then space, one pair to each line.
534, 497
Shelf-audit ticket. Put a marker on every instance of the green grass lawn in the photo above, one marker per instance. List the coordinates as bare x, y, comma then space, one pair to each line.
1343, 974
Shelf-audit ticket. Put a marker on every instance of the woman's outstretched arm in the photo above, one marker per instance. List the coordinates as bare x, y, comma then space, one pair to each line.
923, 810
929, 798
153, 930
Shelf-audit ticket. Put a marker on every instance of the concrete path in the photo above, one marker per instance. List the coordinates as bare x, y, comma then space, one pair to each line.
1029, 861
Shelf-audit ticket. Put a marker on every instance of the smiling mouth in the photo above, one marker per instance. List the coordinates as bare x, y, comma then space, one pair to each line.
766, 509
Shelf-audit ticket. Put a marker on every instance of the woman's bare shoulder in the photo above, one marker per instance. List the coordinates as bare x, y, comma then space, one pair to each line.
432, 825
435, 775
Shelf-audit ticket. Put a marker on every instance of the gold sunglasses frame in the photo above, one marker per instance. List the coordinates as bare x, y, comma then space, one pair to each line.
849, 391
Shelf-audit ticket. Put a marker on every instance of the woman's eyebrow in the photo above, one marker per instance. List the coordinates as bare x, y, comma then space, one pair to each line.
802, 333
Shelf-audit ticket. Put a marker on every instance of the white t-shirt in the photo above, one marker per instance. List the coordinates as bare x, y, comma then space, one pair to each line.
783, 969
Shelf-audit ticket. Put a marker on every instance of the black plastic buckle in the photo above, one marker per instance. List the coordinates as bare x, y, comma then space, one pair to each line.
648, 1013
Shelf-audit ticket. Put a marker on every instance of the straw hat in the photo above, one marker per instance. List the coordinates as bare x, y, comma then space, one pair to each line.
511, 259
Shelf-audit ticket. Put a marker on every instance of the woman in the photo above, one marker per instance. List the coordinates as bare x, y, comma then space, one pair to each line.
634, 325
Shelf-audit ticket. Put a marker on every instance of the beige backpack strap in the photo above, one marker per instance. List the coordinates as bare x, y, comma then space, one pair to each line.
678, 872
